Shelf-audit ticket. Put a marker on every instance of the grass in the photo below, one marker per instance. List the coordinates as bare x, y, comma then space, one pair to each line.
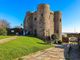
3, 37
20, 47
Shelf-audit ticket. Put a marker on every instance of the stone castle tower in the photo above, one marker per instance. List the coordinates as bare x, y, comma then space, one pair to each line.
43, 22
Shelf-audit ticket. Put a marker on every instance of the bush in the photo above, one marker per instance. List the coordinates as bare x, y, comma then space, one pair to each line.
59, 42
54, 38
3, 27
3, 31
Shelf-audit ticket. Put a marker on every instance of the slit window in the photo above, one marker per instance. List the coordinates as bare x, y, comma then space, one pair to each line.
60, 20
42, 15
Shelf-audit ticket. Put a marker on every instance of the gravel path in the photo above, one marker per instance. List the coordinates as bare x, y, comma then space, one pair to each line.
7, 39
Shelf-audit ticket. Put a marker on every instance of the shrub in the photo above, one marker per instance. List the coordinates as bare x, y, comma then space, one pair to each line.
3, 27
3, 31
54, 38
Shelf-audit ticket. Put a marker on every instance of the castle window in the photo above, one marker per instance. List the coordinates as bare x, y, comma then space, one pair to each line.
60, 20
35, 19
35, 32
49, 17
41, 20
41, 15
57, 31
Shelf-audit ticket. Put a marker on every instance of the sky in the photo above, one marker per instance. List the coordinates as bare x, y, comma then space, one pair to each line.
14, 11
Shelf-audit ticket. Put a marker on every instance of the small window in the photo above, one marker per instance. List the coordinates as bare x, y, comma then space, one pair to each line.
35, 32
40, 20
60, 20
57, 31
35, 19
42, 15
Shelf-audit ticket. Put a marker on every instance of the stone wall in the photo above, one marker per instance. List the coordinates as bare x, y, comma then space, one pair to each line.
58, 24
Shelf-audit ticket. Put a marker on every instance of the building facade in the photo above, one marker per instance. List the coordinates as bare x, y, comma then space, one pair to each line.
43, 22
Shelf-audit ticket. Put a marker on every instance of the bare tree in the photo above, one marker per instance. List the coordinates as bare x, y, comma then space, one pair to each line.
4, 23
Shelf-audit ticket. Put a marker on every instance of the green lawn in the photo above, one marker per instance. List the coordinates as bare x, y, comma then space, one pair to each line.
20, 47
3, 37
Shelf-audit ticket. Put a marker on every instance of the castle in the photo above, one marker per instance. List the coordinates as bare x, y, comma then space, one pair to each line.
43, 22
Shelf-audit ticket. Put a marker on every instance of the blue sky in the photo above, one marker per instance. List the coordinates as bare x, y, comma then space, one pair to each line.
14, 11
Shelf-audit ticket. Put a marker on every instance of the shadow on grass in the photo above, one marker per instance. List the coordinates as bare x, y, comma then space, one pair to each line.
36, 37
44, 43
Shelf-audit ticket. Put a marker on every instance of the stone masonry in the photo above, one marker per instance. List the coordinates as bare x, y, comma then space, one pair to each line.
43, 22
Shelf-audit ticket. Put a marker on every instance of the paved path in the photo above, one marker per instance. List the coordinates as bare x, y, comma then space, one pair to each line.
60, 52
48, 54
7, 39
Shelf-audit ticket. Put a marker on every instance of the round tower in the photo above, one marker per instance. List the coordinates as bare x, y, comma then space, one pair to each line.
44, 20
28, 23
26, 19
42, 8
58, 24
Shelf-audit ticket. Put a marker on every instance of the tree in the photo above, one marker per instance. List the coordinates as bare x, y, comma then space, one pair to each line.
3, 31
4, 25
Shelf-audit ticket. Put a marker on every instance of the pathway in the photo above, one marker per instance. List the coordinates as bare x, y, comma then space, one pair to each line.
48, 54
7, 39
59, 52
